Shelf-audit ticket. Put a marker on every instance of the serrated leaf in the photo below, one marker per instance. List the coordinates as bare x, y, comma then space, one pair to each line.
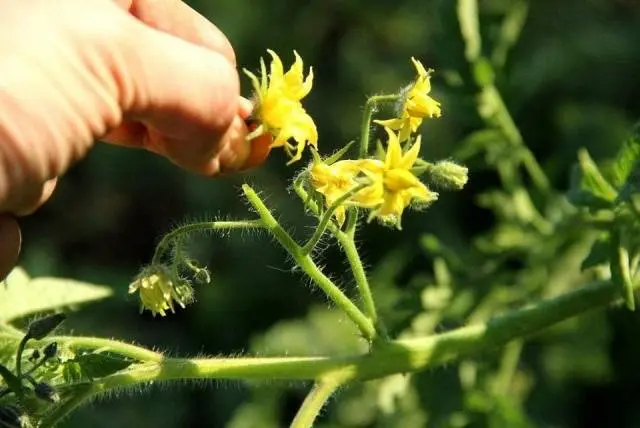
631, 186
22, 296
598, 255
588, 187
627, 157
620, 272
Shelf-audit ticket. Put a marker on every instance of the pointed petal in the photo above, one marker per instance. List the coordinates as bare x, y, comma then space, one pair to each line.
264, 83
419, 67
394, 123
394, 152
276, 76
411, 155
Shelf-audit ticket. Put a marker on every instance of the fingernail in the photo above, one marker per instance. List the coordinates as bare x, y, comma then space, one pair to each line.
245, 107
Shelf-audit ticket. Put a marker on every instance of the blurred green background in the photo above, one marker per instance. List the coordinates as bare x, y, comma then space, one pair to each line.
571, 81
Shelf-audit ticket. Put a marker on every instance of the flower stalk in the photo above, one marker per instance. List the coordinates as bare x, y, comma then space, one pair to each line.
304, 261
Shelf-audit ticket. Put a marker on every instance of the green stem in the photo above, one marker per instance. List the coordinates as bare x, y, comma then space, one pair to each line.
167, 240
305, 262
349, 247
315, 401
347, 242
326, 217
60, 412
96, 343
508, 127
399, 356
21, 346
508, 367
367, 115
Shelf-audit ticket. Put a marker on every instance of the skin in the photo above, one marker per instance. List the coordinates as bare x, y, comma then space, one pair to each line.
150, 74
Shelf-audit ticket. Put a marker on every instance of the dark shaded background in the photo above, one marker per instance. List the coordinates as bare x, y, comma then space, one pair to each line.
571, 81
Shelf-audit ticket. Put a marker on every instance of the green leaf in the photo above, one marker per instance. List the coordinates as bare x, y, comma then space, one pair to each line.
631, 186
22, 295
620, 272
627, 159
11, 380
95, 365
598, 255
87, 366
588, 186
42, 327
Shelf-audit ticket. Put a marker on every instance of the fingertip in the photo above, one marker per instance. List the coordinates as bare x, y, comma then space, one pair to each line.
260, 147
10, 242
29, 206
245, 107
234, 147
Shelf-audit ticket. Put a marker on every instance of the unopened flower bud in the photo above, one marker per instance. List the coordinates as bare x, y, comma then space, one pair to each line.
203, 276
46, 392
35, 355
450, 174
40, 328
50, 350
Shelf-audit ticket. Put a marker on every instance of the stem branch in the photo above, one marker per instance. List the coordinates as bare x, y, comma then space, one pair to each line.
315, 401
307, 264
167, 240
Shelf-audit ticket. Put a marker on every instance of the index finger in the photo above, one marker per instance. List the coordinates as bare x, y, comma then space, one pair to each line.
178, 19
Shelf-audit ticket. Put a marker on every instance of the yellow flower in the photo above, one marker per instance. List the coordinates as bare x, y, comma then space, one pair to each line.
278, 107
159, 289
334, 180
400, 187
417, 105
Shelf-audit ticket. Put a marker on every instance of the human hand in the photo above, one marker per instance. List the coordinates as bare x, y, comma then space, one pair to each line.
150, 74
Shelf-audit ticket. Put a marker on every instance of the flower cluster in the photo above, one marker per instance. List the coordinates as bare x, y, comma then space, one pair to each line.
384, 185
278, 109
393, 186
392, 177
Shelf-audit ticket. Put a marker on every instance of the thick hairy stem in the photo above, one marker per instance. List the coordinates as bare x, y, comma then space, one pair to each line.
400, 356
309, 267
347, 242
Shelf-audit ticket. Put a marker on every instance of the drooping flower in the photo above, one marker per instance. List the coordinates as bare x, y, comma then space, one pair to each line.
278, 108
338, 178
400, 187
160, 290
416, 105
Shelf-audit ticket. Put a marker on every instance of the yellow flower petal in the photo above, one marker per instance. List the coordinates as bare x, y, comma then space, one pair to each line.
417, 105
278, 107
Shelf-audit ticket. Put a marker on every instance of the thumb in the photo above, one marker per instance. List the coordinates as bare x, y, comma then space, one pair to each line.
180, 100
